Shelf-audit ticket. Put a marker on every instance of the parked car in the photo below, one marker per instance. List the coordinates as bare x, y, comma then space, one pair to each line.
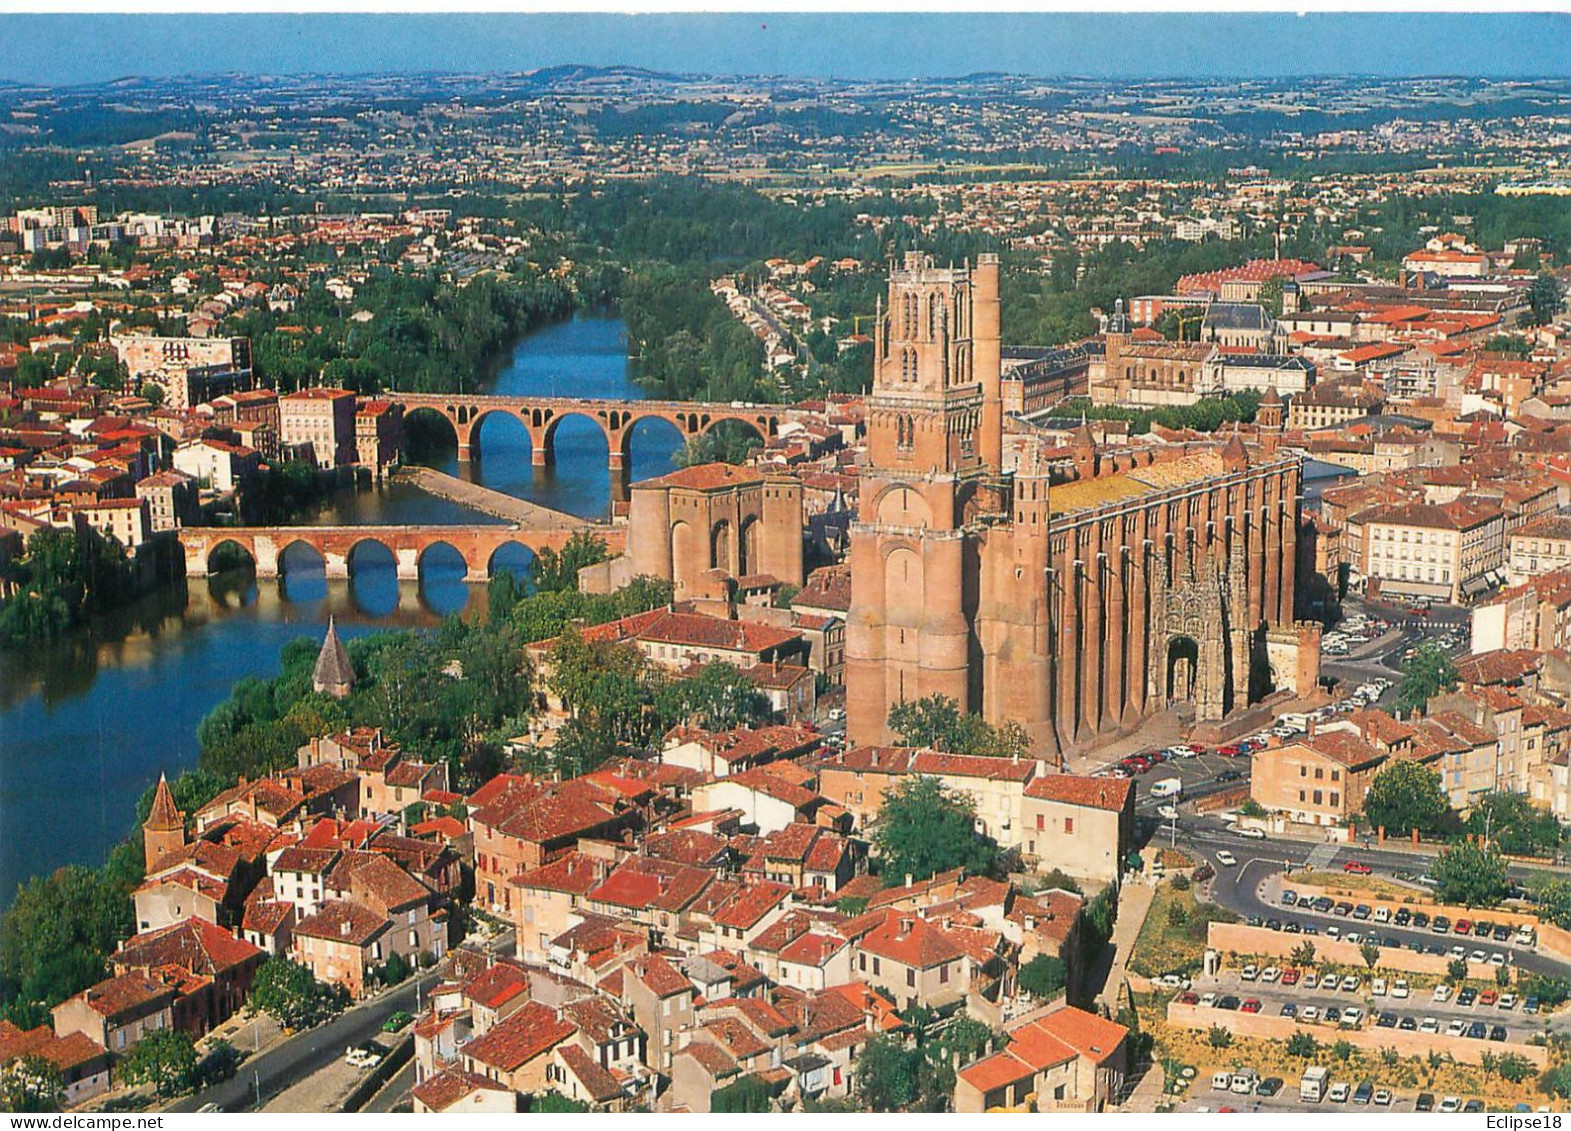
1425, 1102
1357, 867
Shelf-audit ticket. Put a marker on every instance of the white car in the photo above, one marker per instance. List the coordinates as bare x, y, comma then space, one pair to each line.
1399, 988
1507, 1001
1249, 973
1252, 834
1429, 1025
1328, 981
1352, 1017
1450, 1104
1208, 999
1167, 812
1271, 974
1382, 1097
1350, 984
1226, 859
1378, 987
1338, 1093
1456, 1028
1309, 1013
1382, 915
1442, 994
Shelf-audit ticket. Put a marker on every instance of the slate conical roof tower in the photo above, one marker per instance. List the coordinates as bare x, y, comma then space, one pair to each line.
334, 674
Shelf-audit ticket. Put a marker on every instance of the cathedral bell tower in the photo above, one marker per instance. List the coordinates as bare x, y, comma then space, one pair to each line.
933, 461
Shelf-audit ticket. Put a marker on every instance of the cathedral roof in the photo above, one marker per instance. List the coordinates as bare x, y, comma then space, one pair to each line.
333, 668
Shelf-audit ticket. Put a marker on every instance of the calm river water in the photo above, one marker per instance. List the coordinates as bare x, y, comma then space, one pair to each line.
85, 726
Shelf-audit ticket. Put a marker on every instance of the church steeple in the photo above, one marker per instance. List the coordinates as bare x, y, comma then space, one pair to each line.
334, 674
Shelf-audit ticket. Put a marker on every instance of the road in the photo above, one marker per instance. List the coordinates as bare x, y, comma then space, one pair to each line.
1239, 888
276, 1069
394, 1092
263, 1076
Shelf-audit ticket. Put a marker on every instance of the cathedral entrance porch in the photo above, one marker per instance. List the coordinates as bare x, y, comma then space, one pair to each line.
1183, 658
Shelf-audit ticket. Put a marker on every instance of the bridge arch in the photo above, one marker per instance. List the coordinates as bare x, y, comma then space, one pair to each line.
356, 558
508, 430
648, 444
514, 556
428, 428
230, 553
300, 555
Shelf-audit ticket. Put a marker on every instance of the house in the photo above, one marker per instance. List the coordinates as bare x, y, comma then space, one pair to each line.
1318, 780
1069, 1060
661, 1001
214, 967
1084, 826
458, 1091
516, 1051
119, 1011
82, 1062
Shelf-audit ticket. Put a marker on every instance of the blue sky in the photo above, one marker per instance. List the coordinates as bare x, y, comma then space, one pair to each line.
77, 48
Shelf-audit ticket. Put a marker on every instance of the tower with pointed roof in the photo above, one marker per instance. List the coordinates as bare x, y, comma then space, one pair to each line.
163, 833
334, 674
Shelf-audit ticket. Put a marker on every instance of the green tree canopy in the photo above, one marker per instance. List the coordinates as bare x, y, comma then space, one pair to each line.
747, 1094
936, 721
1515, 825
1405, 796
30, 1084
1428, 672
924, 828
166, 1059
287, 992
1044, 976
1470, 875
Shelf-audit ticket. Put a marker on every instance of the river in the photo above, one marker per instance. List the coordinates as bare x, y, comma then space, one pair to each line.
89, 723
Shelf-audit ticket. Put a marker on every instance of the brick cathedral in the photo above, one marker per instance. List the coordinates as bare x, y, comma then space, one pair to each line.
1076, 592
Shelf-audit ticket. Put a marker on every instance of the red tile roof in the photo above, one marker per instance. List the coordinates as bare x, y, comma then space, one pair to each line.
519, 1038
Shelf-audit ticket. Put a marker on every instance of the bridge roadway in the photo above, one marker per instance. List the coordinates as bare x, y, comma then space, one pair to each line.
476, 544
540, 416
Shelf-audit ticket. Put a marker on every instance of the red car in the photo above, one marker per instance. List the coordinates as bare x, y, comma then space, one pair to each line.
1232, 750
1290, 976
1250, 1006
1189, 997
1463, 927
1357, 867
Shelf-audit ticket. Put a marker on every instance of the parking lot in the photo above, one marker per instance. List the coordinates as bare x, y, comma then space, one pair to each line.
1324, 1010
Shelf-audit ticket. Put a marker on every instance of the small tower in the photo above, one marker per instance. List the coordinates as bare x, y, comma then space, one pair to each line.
1235, 457
334, 674
1269, 414
163, 833
1087, 456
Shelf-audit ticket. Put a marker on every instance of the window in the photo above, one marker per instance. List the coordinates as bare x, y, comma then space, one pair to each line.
1041, 822
911, 977
1069, 824
1318, 798
876, 970
943, 973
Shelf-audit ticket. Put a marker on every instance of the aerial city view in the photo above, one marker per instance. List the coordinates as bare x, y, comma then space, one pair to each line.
675, 563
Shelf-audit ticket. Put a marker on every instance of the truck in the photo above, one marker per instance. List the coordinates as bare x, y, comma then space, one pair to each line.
1168, 787
1312, 1088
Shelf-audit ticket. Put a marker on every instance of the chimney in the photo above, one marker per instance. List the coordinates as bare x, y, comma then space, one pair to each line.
1309, 731
908, 879
343, 929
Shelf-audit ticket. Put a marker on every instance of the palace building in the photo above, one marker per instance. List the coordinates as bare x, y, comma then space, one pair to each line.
1076, 592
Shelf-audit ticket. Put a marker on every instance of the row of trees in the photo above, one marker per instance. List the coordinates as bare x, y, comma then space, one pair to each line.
62, 578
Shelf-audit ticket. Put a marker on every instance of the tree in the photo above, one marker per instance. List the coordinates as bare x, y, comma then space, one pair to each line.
1303, 1045
749, 1094
1427, 673
1220, 1037
1304, 954
936, 721
1405, 796
555, 1103
30, 1084
1370, 953
287, 992
166, 1059
1044, 976
1515, 825
1456, 970
558, 570
1470, 875
924, 828
1545, 299
1515, 1068
1342, 1049
886, 1075
719, 697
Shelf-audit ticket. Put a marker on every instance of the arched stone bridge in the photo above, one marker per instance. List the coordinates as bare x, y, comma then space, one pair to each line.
477, 544
617, 419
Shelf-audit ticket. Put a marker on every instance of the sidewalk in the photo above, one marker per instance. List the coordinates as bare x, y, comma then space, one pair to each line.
1159, 731
1134, 904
